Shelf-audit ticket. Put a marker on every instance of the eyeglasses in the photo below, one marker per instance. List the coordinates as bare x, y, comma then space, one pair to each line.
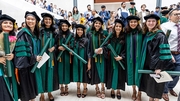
177, 14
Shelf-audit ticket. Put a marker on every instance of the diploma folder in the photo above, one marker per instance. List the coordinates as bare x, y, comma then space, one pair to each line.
163, 77
45, 57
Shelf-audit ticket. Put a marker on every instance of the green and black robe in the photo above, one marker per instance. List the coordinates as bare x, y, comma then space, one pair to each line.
155, 55
48, 71
133, 54
116, 75
99, 63
80, 73
65, 61
10, 82
26, 49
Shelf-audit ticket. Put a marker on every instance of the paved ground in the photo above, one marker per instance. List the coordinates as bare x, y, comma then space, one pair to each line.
126, 95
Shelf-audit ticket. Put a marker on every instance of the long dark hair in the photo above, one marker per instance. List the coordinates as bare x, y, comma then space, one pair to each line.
121, 36
11, 33
99, 32
74, 10
52, 27
128, 29
76, 36
61, 31
36, 29
93, 28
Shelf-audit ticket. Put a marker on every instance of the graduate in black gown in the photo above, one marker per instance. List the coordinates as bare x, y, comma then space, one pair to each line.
80, 70
117, 76
49, 69
65, 61
96, 37
156, 56
134, 38
8, 84
26, 55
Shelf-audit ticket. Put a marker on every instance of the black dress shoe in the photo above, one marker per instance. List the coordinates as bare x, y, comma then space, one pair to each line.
112, 94
51, 99
118, 96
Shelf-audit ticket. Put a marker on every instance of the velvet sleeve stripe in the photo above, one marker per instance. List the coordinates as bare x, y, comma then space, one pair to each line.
165, 57
23, 53
20, 43
162, 46
22, 49
165, 52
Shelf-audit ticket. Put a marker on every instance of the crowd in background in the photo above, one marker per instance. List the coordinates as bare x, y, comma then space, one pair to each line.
140, 39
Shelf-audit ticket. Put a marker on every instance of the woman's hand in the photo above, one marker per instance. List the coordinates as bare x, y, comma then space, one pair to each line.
3, 60
99, 51
51, 49
157, 71
61, 48
118, 58
88, 67
38, 58
70, 53
9, 56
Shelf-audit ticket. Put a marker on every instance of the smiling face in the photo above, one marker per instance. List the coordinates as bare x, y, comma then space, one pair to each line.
97, 25
64, 27
7, 26
118, 28
47, 22
151, 23
133, 23
79, 32
31, 22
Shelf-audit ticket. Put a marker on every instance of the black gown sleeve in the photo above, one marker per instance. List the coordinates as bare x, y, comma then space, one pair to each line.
160, 53
123, 52
24, 56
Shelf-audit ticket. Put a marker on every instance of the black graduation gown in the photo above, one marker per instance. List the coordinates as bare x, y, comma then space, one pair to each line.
80, 73
65, 62
98, 74
116, 80
152, 62
24, 60
49, 73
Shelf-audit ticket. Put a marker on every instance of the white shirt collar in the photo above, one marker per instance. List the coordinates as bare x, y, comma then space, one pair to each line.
172, 23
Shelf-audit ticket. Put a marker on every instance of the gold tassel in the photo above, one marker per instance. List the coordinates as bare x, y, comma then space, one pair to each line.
39, 24
15, 25
60, 60
52, 62
95, 59
159, 22
100, 58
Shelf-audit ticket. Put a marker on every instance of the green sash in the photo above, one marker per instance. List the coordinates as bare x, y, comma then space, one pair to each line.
64, 65
149, 36
6, 80
132, 68
99, 59
117, 47
78, 66
36, 50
